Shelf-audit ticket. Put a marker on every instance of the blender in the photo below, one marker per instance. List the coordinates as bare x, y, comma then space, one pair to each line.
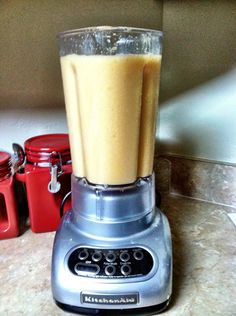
112, 252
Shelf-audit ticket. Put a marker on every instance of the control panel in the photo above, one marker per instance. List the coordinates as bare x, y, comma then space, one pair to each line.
110, 263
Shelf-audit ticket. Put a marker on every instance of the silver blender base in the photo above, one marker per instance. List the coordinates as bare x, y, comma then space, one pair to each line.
113, 264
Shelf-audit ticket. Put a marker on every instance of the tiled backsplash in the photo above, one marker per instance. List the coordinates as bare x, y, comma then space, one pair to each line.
207, 181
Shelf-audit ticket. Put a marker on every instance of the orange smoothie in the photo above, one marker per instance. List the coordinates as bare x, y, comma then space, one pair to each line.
111, 105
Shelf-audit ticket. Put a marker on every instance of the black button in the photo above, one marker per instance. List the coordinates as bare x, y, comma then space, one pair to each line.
83, 254
110, 270
97, 256
125, 269
111, 257
124, 256
86, 269
138, 255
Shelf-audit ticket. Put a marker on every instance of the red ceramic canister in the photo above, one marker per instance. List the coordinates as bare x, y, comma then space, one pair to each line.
47, 177
9, 222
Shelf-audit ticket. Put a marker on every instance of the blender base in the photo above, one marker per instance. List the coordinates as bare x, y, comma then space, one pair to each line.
112, 253
144, 311
145, 291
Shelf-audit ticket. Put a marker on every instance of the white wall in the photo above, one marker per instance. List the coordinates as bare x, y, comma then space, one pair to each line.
17, 125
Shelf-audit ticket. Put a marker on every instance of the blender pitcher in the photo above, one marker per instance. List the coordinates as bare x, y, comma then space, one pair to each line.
111, 85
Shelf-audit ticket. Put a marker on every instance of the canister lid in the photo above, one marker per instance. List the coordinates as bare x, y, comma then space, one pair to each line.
48, 143
48, 148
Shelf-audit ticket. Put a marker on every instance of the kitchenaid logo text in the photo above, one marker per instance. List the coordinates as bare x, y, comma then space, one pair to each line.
110, 299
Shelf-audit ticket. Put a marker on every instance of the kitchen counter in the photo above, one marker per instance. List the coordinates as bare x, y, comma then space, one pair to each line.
204, 245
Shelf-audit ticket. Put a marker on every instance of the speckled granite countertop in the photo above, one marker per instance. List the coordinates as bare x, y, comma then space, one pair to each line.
204, 242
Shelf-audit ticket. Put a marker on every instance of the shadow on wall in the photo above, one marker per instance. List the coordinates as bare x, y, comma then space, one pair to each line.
201, 122
29, 61
199, 43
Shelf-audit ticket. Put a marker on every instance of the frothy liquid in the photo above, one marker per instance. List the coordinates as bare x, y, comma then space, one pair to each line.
111, 104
